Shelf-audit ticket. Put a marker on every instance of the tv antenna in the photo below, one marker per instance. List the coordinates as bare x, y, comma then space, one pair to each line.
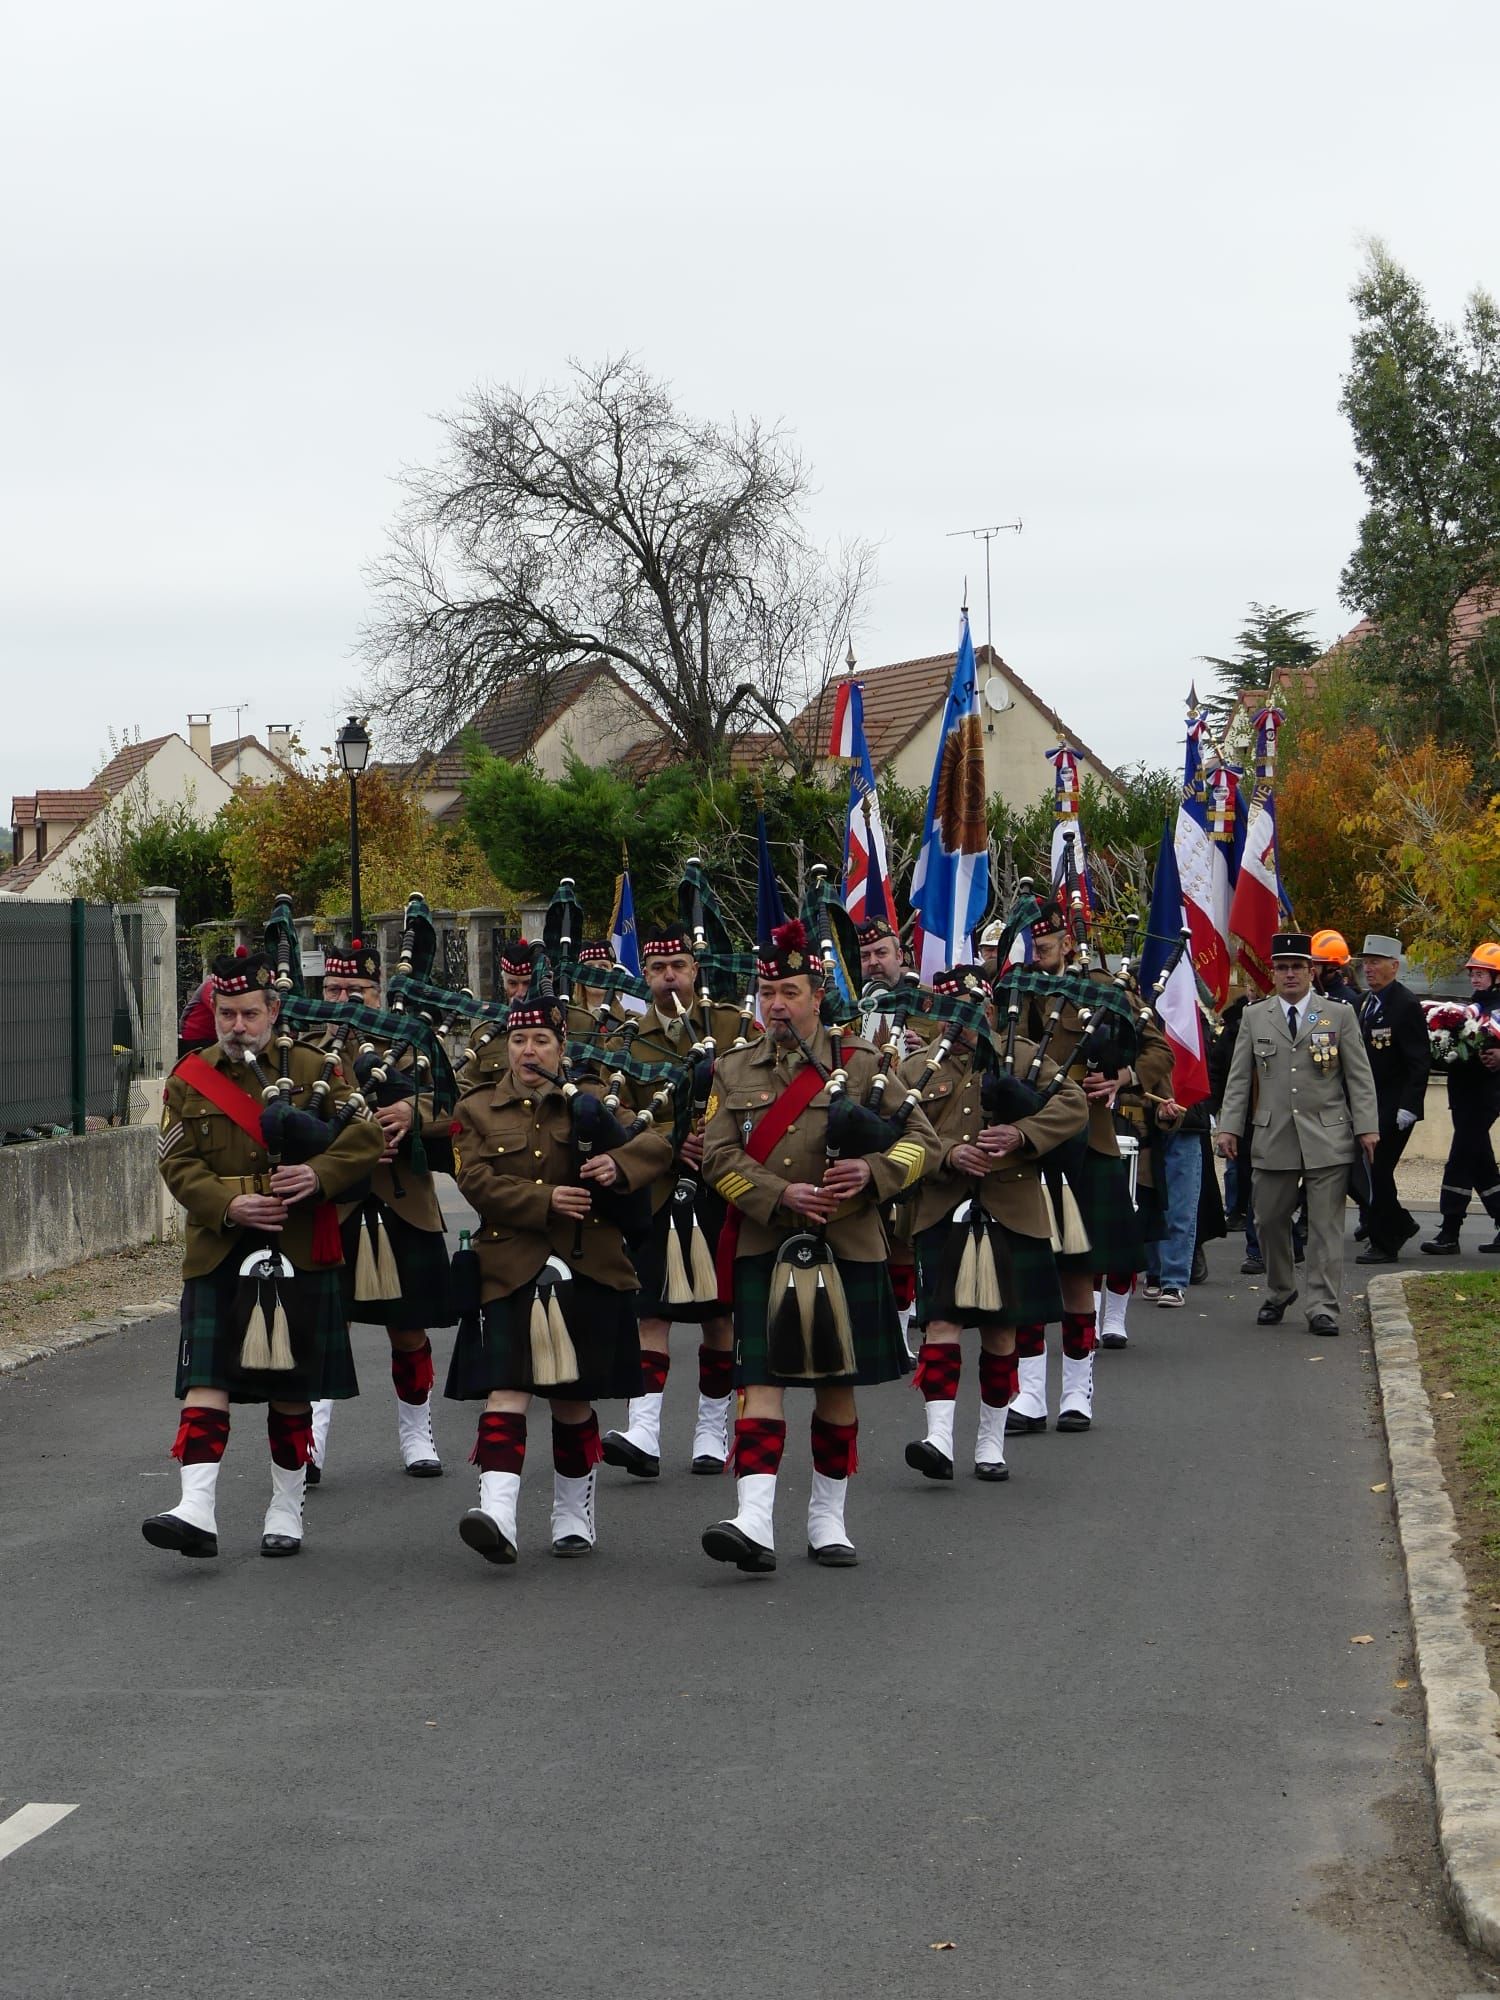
986, 535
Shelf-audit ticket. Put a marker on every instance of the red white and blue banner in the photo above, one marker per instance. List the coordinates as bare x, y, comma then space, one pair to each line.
1255, 915
866, 888
1067, 833
1175, 996
950, 888
1203, 868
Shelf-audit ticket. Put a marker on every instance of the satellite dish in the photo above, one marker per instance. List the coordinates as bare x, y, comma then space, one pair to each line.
997, 695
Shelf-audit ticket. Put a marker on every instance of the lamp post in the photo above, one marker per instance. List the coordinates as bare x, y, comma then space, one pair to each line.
353, 745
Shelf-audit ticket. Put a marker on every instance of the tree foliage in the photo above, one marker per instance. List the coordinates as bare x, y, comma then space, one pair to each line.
136, 843
1436, 877
1270, 639
293, 835
599, 521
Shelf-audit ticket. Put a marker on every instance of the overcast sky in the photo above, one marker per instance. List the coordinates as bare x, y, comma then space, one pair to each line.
1088, 265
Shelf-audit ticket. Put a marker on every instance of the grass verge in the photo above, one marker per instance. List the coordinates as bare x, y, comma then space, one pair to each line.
1457, 1324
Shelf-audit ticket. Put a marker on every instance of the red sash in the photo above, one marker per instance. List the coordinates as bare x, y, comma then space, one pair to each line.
774, 1127
327, 1247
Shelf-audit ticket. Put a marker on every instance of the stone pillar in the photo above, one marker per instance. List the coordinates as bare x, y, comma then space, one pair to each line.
160, 1034
479, 927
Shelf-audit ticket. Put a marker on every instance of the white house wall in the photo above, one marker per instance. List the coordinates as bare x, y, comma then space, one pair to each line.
599, 727
1015, 754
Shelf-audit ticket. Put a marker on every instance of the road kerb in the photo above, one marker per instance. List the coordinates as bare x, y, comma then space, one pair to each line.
84, 1332
1463, 1714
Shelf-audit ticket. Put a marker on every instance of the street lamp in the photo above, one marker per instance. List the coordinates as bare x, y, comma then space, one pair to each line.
353, 745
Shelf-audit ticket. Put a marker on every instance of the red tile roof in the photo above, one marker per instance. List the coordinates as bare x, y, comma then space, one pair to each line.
23, 811
25, 873
221, 754
127, 763
746, 753
77, 805
511, 721
1470, 616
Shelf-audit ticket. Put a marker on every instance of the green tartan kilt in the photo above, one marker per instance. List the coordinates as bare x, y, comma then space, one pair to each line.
493, 1347
213, 1326
1025, 1265
1102, 1191
879, 1351
421, 1264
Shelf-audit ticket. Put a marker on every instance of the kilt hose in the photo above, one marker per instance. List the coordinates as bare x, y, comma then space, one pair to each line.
421, 1264
493, 1348
1102, 1191
650, 1259
1026, 1267
879, 1351
208, 1353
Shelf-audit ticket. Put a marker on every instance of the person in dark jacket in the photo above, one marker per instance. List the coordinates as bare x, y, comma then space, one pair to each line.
1394, 1029
1474, 1102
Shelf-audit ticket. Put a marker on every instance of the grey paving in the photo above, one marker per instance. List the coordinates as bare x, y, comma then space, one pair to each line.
1102, 1728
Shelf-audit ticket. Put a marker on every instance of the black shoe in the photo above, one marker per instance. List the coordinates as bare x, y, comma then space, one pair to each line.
1074, 1420
1253, 1267
618, 1450
314, 1474
572, 1545
1413, 1228
1112, 1340
1491, 1249
992, 1474
1361, 1234
832, 1555
1272, 1314
929, 1461
1324, 1323
1018, 1426
280, 1545
169, 1531
1442, 1245
1375, 1255
728, 1544
705, 1466
425, 1468
478, 1532
1199, 1273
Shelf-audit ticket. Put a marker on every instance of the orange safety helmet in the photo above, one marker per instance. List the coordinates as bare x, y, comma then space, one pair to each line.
1330, 948
1486, 957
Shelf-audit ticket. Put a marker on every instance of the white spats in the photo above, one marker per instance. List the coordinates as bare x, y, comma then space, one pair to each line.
322, 1417
711, 1431
199, 1488
499, 1493
754, 1514
989, 1445
1110, 1312
827, 1536
1031, 1396
283, 1522
643, 1427
414, 1436
573, 1512
1075, 1408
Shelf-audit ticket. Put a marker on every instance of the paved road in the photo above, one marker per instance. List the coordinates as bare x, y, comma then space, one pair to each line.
1102, 1728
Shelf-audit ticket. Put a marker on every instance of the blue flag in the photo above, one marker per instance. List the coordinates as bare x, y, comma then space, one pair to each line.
950, 888
768, 911
1164, 924
622, 938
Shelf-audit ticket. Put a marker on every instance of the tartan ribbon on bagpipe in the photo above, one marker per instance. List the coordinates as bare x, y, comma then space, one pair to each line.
381, 1024
1019, 981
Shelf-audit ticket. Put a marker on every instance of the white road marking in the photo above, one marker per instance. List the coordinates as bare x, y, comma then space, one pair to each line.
27, 1824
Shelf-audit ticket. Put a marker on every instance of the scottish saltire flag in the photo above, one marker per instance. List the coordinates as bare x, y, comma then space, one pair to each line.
1203, 868
950, 888
1255, 915
768, 911
1176, 1002
1067, 831
866, 888
622, 936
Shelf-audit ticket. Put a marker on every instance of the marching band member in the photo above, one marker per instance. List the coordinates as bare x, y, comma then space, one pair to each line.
685, 1213
805, 1247
401, 1210
262, 1313
557, 1285
988, 1162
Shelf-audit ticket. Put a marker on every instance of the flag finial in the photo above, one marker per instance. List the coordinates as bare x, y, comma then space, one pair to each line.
849, 656
1192, 698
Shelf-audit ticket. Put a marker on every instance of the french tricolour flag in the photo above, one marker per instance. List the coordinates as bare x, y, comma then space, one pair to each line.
1203, 869
1177, 1002
867, 891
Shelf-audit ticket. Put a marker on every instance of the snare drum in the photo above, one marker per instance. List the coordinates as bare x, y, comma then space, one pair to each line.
1130, 1153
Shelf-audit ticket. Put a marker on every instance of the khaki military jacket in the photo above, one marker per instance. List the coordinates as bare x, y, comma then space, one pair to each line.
1012, 1190
417, 1202
654, 1042
747, 1083
512, 1147
206, 1161
1152, 1065
1312, 1096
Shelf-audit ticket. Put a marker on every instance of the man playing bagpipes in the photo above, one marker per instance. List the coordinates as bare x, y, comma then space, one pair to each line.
395, 1259
258, 1171
1117, 1047
595, 1006
517, 958
806, 1166
676, 1260
984, 1226
883, 970
557, 1288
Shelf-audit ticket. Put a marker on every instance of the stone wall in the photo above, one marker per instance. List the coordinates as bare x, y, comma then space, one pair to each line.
65, 1199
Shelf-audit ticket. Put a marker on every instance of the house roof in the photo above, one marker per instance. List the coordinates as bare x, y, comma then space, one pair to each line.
511, 721
900, 698
14, 880
76, 805
1471, 614
127, 763
653, 754
23, 811
221, 754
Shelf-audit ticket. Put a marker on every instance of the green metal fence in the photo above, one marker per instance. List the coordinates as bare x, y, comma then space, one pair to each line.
79, 1004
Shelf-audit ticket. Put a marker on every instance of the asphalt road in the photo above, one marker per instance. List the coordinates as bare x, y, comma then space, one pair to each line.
1102, 1729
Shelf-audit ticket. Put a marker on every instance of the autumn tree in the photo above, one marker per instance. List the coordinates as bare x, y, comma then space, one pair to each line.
1436, 878
598, 521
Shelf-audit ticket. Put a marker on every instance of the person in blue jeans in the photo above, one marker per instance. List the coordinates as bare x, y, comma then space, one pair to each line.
1178, 1147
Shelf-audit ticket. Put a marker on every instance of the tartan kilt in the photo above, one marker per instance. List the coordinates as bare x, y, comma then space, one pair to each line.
1025, 1265
1102, 1191
879, 1351
493, 1347
421, 1264
208, 1353
650, 1259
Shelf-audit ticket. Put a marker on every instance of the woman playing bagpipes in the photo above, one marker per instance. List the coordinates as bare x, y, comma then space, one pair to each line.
984, 1227
557, 1286
262, 1313
804, 1248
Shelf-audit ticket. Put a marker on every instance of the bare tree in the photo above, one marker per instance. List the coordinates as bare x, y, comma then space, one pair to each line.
596, 521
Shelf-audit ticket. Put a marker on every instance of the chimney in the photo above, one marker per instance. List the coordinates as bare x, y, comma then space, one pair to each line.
200, 733
279, 740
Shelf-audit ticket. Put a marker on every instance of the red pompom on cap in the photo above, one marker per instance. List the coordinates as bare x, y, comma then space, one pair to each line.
790, 936
242, 951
